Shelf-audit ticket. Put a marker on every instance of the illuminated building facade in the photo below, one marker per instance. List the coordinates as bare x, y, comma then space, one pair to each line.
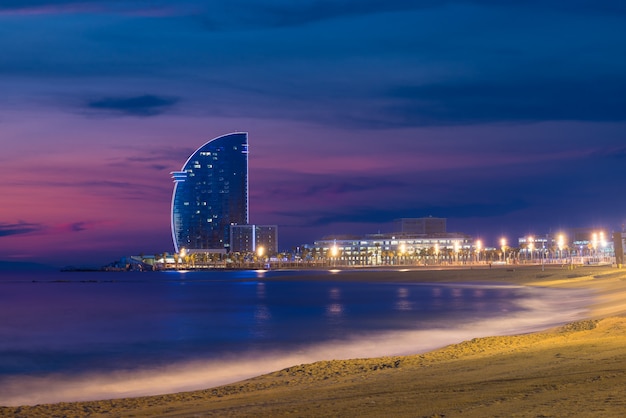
424, 239
211, 194
377, 249
249, 238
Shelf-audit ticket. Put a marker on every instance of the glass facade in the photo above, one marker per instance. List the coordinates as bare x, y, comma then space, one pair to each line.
210, 194
248, 238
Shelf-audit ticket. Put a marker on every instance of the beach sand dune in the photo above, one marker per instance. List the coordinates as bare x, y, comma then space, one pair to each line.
575, 370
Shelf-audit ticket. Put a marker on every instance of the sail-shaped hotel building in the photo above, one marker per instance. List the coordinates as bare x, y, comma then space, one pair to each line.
211, 194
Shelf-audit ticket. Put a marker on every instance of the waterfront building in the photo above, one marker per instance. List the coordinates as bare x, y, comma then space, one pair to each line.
211, 194
389, 249
416, 241
252, 238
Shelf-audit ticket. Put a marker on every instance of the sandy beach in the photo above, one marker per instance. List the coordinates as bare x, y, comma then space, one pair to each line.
578, 369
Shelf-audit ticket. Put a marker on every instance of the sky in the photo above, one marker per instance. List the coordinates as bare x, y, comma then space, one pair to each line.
506, 118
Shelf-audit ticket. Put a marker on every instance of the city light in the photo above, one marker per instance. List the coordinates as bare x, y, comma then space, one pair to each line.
402, 250
333, 253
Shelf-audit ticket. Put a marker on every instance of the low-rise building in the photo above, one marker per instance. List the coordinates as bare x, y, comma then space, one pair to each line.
417, 241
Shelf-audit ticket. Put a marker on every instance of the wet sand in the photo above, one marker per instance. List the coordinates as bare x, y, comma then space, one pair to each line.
575, 370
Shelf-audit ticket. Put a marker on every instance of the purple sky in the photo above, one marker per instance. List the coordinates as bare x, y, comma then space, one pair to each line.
507, 118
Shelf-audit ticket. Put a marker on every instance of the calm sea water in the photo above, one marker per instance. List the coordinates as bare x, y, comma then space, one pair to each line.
126, 331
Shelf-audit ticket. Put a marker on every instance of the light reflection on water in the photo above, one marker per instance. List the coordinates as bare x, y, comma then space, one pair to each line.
260, 290
335, 309
403, 303
107, 323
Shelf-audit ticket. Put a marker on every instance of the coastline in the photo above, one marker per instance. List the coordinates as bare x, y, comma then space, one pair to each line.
428, 384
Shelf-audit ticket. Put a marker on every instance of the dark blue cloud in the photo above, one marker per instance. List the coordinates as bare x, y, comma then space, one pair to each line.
146, 105
382, 64
618, 153
520, 101
168, 158
8, 229
78, 226
382, 214
275, 13
327, 186
85, 6
295, 13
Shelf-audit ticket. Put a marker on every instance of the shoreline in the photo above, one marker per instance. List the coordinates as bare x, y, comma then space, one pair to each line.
260, 395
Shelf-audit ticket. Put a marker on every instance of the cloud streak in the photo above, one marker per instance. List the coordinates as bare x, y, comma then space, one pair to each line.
19, 228
525, 101
143, 106
22, 227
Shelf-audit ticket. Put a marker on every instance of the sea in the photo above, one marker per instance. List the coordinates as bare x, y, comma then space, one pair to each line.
69, 336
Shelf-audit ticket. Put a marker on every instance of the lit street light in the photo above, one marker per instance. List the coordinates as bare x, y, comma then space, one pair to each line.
259, 252
602, 244
181, 256
333, 253
543, 253
503, 245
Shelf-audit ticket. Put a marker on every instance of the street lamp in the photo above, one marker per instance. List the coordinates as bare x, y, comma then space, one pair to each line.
543, 252
531, 244
437, 253
503, 245
333, 253
602, 243
580, 253
479, 245
402, 251
182, 255
594, 243
259, 252
456, 251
